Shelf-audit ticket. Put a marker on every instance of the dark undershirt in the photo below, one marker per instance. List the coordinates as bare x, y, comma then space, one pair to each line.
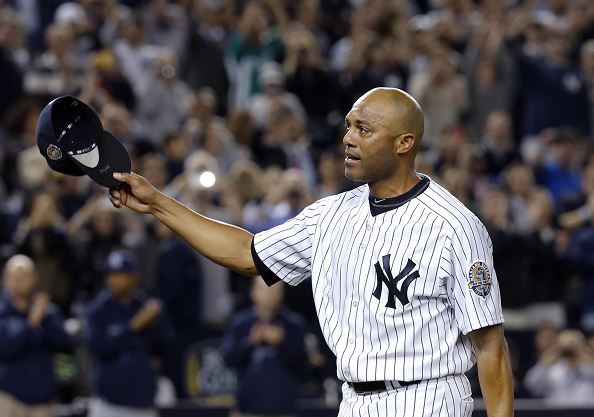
382, 205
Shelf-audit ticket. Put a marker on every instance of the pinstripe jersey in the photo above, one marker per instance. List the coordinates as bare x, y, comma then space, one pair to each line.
398, 289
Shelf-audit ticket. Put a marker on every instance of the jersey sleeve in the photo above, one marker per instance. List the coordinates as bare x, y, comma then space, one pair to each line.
284, 252
474, 289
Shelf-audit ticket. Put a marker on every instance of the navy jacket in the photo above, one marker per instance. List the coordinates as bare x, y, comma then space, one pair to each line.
552, 97
266, 374
26, 353
122, 371
179, 276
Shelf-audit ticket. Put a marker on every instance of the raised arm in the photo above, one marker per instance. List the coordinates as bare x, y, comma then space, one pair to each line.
225, 244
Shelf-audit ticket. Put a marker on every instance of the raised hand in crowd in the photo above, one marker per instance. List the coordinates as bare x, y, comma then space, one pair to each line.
146, 315
39, 304
267, 333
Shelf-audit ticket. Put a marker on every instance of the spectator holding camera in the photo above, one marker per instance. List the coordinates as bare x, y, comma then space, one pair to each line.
31, 331
40, 235
564, 371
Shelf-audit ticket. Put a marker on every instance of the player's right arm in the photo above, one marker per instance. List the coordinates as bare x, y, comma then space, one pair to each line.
225, 244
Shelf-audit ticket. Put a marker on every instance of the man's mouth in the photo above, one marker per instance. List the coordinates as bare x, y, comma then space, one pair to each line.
351, 157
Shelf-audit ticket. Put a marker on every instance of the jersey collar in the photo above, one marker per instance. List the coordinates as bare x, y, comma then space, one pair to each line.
382, 205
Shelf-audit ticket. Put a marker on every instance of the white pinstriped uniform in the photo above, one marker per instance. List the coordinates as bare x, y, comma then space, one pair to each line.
397, 288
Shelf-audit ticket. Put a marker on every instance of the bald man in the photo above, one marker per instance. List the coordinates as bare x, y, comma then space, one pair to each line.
31, 332
402, 273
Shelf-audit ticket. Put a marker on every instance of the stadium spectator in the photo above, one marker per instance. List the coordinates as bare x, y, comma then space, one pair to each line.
57, 71
442, 91
491, 70
166, 25
554, 92
94, 231
266, 345
564, 371
117, 119
40, 235
273, 95
558, 172
176, 148
31, 332
164, 100
203, 113
179, 283
499, 148
208, 27
520, 184
511, 252
10, 72
330, 175
124, 329
314, 85
255, 42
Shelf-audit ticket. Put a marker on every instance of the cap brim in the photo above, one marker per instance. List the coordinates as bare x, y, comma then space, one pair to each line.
107, 157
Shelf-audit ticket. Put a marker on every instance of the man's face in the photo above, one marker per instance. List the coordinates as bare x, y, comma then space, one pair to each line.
263, 296
121, 284
558, 48
19, 282
369, 139
104, 223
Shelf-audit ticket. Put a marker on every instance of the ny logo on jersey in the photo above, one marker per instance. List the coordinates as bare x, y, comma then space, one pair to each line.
390, 281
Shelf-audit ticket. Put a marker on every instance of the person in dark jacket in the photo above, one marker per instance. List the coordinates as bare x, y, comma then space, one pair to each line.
124, 329
10, 73
178, 285
265, 344
31, 331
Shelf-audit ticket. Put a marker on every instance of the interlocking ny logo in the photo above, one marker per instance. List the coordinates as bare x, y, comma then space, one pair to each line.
391, 281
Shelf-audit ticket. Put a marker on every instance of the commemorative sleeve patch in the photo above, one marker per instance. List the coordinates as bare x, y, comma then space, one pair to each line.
479, 279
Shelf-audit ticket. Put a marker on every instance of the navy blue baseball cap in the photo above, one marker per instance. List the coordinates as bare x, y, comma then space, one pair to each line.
71, 138
121, 260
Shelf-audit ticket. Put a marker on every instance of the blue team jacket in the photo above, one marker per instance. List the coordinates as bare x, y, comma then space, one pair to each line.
266, 374
122, 372
26, 353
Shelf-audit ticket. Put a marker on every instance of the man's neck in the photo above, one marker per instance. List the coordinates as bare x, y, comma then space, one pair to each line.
395, 185
124, 298
266, 314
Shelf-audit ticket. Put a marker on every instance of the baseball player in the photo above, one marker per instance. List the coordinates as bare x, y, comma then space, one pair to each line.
402, 273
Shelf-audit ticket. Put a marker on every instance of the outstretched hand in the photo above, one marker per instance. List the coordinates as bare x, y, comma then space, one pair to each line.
135, 192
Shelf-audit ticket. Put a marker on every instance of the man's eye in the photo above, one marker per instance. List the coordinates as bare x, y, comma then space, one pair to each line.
363, 130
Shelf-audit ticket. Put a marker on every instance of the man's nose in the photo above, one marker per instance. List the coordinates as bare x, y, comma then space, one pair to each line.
347, 139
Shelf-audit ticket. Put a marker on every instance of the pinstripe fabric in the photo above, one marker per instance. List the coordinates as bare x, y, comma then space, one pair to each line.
413, 323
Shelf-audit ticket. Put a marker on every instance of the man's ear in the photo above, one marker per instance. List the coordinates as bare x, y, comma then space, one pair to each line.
404, 143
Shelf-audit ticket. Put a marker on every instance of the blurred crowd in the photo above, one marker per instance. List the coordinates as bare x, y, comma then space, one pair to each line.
236, 108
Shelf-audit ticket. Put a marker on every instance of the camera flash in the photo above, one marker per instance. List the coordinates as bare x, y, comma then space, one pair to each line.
207, 179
